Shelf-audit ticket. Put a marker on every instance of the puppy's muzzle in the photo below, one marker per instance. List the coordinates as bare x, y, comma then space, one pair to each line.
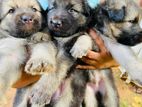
26, 18
56, 23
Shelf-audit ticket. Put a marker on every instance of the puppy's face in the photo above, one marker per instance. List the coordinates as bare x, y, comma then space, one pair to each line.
65, 17
131, 25
128, 30
20, 18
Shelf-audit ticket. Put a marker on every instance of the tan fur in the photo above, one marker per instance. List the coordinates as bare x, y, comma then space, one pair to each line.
64, 63
124, 54
13, 51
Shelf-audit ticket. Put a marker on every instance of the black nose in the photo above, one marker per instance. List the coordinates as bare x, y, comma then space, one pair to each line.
56, 23
26, 18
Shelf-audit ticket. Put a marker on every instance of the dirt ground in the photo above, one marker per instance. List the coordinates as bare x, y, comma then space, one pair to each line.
128, 98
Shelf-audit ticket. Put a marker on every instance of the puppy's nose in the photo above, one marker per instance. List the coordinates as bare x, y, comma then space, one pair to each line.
26, 19
57, 23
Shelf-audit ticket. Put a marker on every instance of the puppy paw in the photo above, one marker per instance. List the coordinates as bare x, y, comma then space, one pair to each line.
40, 37
39, 96
78, 52
80, 49
39, 66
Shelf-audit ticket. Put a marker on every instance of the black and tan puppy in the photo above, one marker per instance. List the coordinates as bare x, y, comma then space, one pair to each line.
119, 22
125, 29
67, 21
18, 21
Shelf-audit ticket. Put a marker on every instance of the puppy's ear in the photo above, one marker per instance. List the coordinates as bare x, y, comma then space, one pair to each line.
43, 4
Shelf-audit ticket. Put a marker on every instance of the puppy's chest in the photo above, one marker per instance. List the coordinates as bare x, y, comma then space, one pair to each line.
64, 45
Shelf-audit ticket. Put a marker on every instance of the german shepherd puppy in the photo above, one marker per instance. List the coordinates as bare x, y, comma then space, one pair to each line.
19, 20
67, 21
116, 24
124, 28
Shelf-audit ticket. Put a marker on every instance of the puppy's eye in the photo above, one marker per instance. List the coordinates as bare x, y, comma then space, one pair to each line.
34, 9
11, 10
71, 10
134, 21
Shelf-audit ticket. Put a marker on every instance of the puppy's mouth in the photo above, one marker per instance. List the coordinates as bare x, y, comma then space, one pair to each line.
61, 32
24, 30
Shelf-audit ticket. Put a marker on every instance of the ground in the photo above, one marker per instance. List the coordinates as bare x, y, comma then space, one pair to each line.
128, 98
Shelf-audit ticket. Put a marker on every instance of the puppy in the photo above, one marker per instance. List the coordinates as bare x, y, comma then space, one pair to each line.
115, 23
18, 21
126, 31
67, 20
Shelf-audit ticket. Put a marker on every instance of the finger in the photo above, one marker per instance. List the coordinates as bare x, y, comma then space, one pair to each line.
108, 65
93, 34
98, 40
93, 55
89, 61
140, 3
87, 67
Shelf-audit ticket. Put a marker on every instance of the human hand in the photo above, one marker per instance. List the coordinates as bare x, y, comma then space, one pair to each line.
140, 3
98, 60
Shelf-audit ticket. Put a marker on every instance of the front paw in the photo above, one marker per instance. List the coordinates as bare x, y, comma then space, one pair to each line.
39, 96
78, 51
39, 66
40, 37
81, 47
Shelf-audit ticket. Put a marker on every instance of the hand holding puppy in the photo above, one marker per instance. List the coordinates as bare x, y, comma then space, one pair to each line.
98, 60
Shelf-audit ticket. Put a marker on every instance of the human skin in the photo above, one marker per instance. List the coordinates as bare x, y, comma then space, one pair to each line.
98, 60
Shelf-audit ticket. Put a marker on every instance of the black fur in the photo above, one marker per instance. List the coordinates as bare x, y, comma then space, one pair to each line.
99, 99
68, 46
130, 39
79, 85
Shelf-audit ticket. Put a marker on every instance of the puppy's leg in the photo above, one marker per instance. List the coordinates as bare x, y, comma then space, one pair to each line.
74, 91
78, 85
101, 91
111, 96
79, 49
95, 90
21, 98
66, 98
48, 84
42, 59
12, 55
90, 100
126, 58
